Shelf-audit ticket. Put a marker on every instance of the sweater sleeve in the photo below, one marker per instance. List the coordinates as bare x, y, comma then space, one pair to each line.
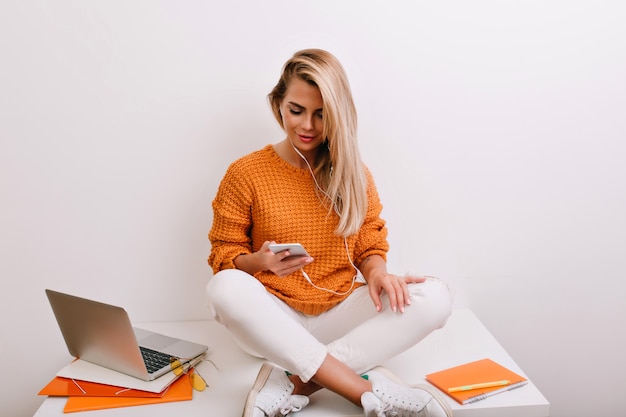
232, 207
372, 237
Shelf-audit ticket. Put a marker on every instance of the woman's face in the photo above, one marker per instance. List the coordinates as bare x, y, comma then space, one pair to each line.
301, 110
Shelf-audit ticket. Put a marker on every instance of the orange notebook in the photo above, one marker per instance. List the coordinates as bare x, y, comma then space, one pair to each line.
472, 373
180, 390
67, 387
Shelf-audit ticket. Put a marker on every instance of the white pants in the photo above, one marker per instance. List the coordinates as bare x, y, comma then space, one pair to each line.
353, 332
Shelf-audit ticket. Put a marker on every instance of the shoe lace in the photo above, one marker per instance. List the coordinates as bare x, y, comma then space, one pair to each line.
385, 410
388, 410
292, 404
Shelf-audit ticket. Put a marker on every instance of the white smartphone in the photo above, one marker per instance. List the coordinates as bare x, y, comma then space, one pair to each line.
295, 249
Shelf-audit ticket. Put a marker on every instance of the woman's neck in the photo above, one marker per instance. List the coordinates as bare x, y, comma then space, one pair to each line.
289, 154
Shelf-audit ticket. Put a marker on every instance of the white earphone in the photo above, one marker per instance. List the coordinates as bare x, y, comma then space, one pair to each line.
358, 277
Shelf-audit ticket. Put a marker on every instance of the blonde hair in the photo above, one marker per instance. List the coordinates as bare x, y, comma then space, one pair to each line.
338, 167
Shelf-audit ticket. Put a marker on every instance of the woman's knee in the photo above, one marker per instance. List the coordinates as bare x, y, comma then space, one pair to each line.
225, 288
436, 298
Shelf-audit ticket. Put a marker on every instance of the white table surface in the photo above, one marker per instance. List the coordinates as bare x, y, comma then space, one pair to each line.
463, 339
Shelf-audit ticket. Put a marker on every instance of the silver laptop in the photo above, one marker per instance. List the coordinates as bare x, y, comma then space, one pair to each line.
102, 334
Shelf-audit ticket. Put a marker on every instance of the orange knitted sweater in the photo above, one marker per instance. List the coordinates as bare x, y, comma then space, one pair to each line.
264, 198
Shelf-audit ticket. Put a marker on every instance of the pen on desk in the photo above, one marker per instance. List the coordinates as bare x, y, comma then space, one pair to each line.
481, 385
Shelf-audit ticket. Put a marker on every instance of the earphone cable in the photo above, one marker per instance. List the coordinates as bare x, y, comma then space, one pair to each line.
358, 276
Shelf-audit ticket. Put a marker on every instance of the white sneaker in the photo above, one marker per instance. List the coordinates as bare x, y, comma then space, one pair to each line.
271, 395
392, 397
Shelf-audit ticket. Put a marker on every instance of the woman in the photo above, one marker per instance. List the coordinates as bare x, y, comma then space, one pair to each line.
312, 316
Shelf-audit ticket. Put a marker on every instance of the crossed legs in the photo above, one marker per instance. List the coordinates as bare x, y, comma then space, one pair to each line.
330, 350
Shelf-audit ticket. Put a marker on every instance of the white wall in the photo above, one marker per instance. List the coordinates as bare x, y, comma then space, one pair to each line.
495, 130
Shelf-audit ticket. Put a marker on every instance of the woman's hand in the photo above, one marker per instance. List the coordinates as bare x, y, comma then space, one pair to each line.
396, 288
378, 280
281, 263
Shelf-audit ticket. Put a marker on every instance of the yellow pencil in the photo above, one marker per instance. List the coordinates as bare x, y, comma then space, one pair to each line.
481, 385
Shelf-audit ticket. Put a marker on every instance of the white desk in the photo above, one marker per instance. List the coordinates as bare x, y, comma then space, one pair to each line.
463, 339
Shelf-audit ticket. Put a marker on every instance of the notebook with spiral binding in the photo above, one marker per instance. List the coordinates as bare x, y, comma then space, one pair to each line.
464, 376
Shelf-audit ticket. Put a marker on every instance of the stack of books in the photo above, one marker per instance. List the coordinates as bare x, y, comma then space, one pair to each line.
109, 347
91, 387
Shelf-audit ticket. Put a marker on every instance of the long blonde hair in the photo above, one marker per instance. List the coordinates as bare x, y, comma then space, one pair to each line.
338, 167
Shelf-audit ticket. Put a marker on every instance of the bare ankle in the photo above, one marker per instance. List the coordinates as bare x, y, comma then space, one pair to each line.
303, 388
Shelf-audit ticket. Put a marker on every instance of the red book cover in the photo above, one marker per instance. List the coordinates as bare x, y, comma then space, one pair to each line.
67, 387
180, 390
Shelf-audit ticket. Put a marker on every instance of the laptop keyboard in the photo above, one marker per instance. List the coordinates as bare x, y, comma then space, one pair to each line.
154, 360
